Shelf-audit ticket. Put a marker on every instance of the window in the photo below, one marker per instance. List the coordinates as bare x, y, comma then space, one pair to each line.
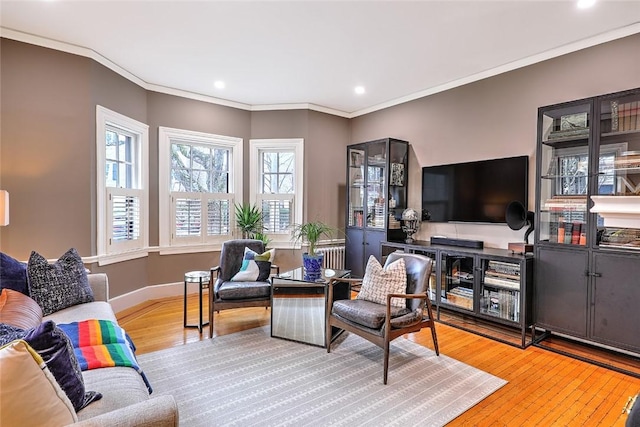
200, 180
122, 186
276, 185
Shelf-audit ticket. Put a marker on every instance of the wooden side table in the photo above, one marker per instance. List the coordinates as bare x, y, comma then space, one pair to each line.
203, 279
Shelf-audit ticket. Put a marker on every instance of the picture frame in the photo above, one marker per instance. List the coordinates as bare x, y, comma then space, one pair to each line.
356, 158
397, 174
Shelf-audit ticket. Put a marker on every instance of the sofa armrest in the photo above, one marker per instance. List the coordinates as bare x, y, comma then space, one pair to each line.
100, 285
159, 411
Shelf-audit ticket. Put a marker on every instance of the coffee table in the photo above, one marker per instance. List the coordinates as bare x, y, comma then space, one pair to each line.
299, 305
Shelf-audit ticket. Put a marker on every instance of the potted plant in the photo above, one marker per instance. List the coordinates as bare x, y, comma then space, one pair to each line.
249, 220
312, 232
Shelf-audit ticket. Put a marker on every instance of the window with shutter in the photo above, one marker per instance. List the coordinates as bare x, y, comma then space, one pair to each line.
200, 178
276, 185
122, 186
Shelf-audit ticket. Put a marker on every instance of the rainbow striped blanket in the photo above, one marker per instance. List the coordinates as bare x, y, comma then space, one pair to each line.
102, 344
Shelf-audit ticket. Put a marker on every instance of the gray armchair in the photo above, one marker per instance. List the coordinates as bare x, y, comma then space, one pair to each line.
226, 293
381, 324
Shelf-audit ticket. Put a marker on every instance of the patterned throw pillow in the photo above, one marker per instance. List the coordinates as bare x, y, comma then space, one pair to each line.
58, 285
255, 267
379, 282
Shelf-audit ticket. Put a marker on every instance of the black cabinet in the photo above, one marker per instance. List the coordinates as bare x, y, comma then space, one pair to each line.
561, 291
587, 241
377, 178
491, 286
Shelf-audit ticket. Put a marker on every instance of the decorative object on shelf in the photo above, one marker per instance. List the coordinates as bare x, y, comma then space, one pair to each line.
573, 122
571, 126
410, 223
311, 232
397, 174
618, 211
614, 116
356, 158
517, 217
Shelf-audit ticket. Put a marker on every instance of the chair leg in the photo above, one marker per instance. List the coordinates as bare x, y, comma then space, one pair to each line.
211, 309
386, 359
435, 338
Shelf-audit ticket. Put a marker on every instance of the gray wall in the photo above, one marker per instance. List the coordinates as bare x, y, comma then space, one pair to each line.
497, 117
48, 157
47, 146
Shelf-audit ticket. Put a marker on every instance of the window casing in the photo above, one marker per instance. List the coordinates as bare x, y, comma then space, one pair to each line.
122, 187
200, 180
277, 173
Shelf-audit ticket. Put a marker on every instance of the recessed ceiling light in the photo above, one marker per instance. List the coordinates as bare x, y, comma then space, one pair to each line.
585, 4
359, 90
219, 84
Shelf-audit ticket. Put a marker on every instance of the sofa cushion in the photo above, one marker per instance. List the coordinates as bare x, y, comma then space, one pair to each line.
19, 310
378, 282
29, 394
58, 285
13, 274
77, 313
255, 267
56, 350
120, 387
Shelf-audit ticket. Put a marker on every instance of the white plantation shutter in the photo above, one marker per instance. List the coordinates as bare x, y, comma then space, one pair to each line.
124, 209
190, 209
277, 210
218, 217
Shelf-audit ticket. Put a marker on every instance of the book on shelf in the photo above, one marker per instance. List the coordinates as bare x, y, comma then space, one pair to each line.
553, 232
504, 267
568, 230
561, 225
575, 233
628, 116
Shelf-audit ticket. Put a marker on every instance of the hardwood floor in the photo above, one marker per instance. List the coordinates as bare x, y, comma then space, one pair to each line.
544, 389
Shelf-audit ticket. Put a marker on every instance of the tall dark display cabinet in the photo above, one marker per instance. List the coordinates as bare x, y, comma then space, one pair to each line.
587, 271
376, 197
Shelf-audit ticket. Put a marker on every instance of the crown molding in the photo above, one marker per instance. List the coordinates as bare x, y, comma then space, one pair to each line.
552, 53
549, 54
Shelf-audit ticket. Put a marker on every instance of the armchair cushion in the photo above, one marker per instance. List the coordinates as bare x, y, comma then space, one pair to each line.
255, 267
366, 313
242, 290
379, 282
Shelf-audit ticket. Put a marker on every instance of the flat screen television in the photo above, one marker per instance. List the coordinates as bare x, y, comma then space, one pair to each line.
474, 191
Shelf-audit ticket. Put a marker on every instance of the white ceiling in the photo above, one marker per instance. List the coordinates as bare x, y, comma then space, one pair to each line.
272, 54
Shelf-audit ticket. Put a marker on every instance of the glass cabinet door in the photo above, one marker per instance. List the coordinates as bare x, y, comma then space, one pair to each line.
356, 161
457, 280
564, 174
376, 175
617, 194
500, 289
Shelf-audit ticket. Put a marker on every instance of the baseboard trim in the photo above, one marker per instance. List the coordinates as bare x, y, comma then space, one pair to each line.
139, 296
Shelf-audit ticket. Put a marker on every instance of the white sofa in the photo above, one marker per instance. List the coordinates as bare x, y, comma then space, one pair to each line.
125, 399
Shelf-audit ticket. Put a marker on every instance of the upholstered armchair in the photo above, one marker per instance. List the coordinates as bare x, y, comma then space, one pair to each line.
241, 278
394, 314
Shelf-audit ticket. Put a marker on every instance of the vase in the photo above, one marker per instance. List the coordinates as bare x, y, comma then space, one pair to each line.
312, 266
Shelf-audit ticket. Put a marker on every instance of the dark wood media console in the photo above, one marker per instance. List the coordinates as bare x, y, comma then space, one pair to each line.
485, 291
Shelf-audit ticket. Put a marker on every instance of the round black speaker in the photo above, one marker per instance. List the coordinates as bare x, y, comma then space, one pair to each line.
516, 215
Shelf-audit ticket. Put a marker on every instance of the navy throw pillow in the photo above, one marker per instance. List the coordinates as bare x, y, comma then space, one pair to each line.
55, 348
13, 274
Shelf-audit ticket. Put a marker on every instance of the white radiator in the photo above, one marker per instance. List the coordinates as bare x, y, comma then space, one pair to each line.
333, 256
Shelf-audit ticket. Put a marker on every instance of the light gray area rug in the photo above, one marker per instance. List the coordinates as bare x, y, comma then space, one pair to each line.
251, 379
